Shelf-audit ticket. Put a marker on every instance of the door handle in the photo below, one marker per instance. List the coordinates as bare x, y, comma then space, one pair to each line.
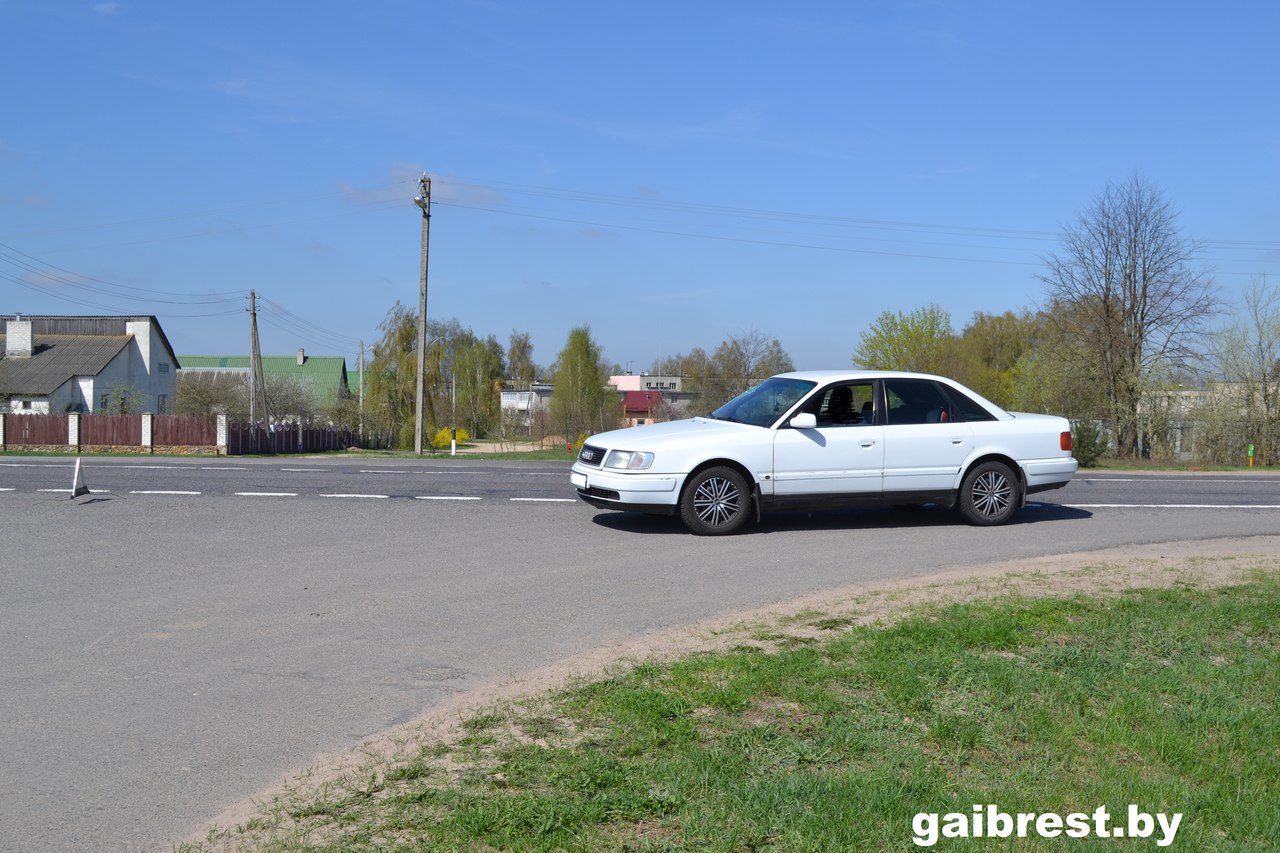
870, 443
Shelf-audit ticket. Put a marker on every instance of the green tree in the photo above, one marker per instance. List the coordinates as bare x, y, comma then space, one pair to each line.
582, 402
1054, 373
391, 377
521, 368
988, 351
477, 370
921, 340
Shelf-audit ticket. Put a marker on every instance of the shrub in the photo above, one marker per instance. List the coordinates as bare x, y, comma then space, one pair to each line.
444, 438
1089, 443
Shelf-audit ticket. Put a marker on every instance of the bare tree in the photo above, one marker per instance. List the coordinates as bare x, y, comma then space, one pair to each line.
1248, 360
741, 362
1137, 304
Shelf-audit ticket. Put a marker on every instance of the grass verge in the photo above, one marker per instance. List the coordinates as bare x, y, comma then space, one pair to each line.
823, 734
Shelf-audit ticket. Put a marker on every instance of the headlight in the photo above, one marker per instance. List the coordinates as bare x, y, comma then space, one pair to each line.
632, 460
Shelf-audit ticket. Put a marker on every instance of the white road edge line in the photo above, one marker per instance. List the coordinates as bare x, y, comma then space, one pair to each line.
1174, 506
266, 494
443, 498
382, 497
547, 500
162, 492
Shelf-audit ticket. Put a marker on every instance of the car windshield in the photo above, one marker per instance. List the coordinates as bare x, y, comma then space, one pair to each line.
765, 403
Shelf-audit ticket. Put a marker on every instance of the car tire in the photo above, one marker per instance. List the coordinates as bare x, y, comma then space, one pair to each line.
989, 494
716, 501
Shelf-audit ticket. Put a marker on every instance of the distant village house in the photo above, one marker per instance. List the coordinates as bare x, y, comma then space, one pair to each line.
56, 364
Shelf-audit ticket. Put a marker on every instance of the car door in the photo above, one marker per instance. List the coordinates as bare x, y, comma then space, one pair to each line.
925, 440
842, 453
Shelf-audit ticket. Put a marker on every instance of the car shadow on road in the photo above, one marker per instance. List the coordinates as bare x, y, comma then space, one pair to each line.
839, 519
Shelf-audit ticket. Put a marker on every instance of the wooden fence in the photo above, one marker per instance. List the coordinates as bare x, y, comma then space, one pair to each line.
111, 430
185, 431
285, 438
34, 429
171, 433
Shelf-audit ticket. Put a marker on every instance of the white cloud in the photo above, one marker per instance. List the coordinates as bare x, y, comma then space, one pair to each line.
106, 10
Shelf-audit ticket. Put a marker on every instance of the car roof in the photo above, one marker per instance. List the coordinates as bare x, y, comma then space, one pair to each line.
824, 376
858, 373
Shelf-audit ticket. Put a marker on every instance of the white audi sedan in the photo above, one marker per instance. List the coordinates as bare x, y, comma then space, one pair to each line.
820, 439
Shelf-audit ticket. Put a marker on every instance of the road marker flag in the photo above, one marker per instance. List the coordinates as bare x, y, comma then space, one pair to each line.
78, 488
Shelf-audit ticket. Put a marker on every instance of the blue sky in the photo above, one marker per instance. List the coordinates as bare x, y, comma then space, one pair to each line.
671, 174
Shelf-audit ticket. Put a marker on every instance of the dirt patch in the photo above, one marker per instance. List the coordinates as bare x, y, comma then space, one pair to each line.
1206, 563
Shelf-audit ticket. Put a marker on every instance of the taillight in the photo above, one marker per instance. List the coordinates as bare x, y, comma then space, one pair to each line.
1065, 441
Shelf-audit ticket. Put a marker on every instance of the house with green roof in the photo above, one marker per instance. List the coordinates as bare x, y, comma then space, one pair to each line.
325, 376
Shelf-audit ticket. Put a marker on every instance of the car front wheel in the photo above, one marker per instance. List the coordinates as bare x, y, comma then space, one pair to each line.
989, 494
715, 501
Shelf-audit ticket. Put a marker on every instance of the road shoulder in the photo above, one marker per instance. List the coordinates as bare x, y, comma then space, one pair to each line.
1199, 563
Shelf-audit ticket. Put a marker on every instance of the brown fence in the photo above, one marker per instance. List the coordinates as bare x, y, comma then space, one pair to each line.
111, 430
184, 431
35, 429
286, 437
124, 432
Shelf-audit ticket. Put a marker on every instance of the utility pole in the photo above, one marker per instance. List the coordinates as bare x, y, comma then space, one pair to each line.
256, 384
362, 393
423, 201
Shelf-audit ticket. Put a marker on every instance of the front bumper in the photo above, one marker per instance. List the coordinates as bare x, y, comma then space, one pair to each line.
638, 492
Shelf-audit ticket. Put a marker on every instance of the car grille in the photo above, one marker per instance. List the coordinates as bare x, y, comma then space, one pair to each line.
591, 455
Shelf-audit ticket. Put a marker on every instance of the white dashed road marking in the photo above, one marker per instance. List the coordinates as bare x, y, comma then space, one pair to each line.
1175, 506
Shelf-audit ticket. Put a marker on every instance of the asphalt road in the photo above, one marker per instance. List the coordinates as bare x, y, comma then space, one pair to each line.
192, 629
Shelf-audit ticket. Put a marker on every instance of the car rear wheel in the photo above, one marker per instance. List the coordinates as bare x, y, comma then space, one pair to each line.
989, 494
715, 501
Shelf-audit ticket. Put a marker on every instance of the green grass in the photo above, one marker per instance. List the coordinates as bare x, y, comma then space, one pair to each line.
1160, 465
1167, 699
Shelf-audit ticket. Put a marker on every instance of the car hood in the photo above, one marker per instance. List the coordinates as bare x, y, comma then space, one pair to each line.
650, 436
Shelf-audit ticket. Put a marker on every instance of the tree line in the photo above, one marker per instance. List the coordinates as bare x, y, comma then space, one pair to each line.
1123, 344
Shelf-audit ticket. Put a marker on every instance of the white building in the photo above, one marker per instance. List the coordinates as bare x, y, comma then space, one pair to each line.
648, 382
57, 364
523, 404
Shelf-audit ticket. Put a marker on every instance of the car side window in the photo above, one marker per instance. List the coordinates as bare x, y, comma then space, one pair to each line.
968, 408
847, 404
917, 401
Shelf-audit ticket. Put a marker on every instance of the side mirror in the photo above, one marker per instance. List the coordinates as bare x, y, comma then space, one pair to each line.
804, 420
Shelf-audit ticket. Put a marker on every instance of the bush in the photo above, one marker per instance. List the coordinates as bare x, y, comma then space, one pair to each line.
1089, 443
444, 438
